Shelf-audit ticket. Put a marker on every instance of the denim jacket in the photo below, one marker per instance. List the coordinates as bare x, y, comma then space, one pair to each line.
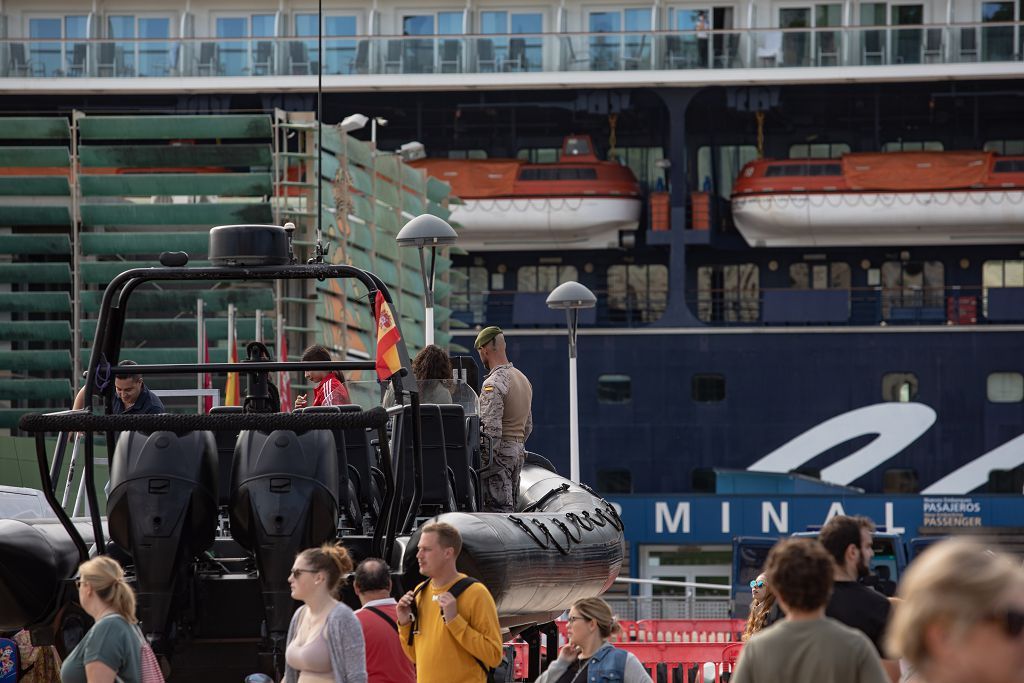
607, 665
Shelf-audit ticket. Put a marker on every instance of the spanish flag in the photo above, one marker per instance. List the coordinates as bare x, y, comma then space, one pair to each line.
388, 339
231, 393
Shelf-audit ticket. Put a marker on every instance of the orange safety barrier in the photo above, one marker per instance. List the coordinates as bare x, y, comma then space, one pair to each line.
701, 216
659, 204
683, 657
689, 630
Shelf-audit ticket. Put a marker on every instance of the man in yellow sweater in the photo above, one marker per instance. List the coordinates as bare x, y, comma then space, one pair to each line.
454, 639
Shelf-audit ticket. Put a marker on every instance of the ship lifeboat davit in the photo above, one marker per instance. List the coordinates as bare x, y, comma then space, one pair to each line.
578, 202
563, 543
892, 199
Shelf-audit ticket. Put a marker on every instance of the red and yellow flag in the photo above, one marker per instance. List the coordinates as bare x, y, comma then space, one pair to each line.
388, 339
231, 393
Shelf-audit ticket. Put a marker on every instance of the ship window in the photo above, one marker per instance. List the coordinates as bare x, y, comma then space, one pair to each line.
643, 161
708, 388
1005, 387
1010, 166
819, 275
468, 298
913, 146
614, 389
819, 150
543, 278
913, 291
540, 155
899, 387
341, 54
637, 293
728, 293
55, 58
467, 154
731, 160
617, 480
1005, 146
555, 173
514, 54
1000, 273
789, 170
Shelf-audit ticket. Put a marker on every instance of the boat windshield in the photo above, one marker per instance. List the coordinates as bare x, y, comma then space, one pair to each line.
368, 393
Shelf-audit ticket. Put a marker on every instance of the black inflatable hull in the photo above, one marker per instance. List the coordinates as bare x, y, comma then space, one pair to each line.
567, 544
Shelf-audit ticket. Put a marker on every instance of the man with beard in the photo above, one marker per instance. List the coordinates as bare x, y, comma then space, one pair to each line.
848, 540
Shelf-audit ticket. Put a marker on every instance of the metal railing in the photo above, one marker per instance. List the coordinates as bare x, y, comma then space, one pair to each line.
513, 53
635, 608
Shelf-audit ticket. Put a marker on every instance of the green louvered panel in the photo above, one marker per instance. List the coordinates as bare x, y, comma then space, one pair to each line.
390, 167
33, 273
457, 277
455, 323
412, 203
345, 145
175, 156
444, 340
361, 236
389, 193
413, 334
34, 128
35, 243
9, 420
456, 250
362, 207
437, 190
412, 281
360, 259
34, 186
148, 184
438, 210
108, 243
35, 302
443, 263
184, 301
149, 355
35, 330
102, 272
414, 178
224, 213
35, 215
361, 180
361, 314
35, 389
36, 361
141, 329
441, 314
441, 289
387, 272
388, 221
194, 127
411, 257
386, 246
35, 156
329, 166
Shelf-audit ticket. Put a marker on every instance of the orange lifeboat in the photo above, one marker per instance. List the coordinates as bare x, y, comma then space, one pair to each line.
578, 202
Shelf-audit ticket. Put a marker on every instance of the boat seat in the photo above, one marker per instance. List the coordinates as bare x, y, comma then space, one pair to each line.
361, 457
437, 496
226, 440
348, 495
458, 456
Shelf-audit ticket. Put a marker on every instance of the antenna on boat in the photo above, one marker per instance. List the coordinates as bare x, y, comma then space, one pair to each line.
319, 252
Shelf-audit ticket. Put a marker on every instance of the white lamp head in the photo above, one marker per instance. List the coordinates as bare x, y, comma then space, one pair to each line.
571, 295
354, 122
426, 230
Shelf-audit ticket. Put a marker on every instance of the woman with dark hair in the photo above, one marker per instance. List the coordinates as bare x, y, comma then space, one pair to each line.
433, 371
764, 611
325, 640
588, 656
330, 388
111, 649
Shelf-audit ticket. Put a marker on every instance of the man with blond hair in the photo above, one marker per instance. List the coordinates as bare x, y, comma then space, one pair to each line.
448, 625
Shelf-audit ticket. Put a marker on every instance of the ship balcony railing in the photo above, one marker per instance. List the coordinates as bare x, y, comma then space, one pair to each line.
822, 46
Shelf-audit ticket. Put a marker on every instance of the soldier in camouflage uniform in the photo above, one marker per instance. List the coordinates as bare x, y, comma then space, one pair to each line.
505, 415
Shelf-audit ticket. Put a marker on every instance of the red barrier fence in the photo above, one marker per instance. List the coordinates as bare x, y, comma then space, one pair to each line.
675, 630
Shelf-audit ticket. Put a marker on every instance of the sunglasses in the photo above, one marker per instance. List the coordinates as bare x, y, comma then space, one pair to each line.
297, 573
1011, 621
757, 584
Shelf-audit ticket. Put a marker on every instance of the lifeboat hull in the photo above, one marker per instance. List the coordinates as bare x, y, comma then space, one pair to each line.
545, 222
567, 544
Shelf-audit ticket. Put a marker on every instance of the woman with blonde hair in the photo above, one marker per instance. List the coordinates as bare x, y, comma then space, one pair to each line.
764, 611
111, 650
325, 639
961, 617
588, 656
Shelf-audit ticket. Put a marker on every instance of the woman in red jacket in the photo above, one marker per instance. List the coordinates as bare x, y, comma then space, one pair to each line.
330, 384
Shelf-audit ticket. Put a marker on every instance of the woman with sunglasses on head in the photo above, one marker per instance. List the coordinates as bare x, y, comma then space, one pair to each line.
764, 611
325, 640
588, 656
111, 649
961, 617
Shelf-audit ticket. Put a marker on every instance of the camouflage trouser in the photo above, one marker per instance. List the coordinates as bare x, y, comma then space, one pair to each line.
499, 478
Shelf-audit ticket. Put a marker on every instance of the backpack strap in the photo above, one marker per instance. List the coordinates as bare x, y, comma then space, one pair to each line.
457, 589
415, 610
383, 615
461, 585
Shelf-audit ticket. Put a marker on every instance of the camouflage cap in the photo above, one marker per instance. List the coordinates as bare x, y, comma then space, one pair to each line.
486, 335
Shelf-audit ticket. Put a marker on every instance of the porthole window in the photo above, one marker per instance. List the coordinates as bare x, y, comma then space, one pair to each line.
708, 388
1005, 387
614, 389
899, 387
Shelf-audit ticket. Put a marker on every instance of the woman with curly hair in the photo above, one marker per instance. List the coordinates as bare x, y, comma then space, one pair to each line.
764, 611
433, 371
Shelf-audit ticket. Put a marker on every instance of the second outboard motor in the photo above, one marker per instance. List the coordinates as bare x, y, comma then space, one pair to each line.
162, 509
284, 499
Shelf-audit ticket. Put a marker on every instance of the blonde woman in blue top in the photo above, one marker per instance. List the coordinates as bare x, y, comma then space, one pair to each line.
111, 649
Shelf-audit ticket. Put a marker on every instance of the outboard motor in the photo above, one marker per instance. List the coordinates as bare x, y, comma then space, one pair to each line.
162, 509
284, 499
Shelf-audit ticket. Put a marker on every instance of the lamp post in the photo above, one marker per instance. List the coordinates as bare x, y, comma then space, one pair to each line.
571, 297
421, 232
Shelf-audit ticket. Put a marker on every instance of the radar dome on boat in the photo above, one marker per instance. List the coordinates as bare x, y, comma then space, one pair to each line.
249, 245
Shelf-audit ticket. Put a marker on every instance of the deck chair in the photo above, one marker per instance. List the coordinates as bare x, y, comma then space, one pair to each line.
968, 44
828, 49
570, 60
76, 67
393, 57
106, 62
932, 50
450, 60
209, 60
769, 48
485, 60
516, 60
263, 59
361, 63
874, 48
636, 56
298, 58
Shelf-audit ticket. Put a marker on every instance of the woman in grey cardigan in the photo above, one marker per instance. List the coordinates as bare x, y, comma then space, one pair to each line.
325, 640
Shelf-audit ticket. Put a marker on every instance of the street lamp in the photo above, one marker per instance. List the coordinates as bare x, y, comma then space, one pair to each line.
427, 231
571, 297
354, 122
